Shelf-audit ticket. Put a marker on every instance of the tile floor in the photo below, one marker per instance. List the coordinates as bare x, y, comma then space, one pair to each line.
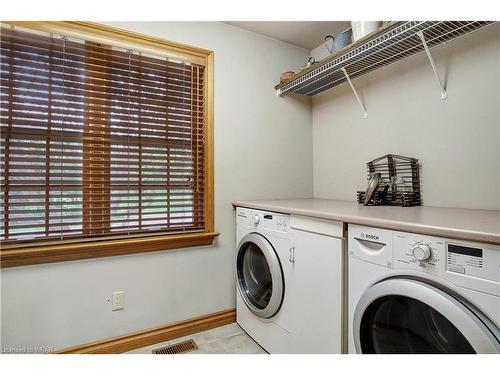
228, 339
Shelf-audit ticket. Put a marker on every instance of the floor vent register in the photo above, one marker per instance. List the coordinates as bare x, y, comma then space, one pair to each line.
179, 348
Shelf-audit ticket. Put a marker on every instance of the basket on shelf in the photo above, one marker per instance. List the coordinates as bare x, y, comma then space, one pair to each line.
399, 181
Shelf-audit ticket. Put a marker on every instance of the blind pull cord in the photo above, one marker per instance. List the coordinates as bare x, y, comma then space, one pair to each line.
64, 39
128, 137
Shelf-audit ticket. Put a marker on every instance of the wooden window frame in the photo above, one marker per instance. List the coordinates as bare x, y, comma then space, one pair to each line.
37, 253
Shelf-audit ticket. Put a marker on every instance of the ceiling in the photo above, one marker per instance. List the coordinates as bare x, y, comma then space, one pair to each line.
305, 34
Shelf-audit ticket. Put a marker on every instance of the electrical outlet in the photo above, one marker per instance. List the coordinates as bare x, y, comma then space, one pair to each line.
117, 301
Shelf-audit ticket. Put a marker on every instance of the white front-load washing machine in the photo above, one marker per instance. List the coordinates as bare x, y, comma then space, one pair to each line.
290, 281
261, 309
411, 293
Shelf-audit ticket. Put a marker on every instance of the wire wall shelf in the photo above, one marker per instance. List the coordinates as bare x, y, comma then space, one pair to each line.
391, 43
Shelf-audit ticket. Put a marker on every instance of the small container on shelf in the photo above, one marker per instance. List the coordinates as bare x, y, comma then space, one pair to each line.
339, 41
286, 75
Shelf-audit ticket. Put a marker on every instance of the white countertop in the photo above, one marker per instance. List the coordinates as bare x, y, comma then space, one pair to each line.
458, 223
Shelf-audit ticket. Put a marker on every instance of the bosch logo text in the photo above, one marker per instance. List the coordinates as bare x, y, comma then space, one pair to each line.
369, 236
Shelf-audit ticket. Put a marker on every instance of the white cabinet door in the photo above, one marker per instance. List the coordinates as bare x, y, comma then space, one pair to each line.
316, 295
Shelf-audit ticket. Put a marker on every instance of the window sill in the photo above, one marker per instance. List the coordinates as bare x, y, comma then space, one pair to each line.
65, 252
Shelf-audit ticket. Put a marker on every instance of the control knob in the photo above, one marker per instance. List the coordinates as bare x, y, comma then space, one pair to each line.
256, 219
421, 251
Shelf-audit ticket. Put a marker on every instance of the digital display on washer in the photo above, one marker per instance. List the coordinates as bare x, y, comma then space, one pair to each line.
270, 217
465, 250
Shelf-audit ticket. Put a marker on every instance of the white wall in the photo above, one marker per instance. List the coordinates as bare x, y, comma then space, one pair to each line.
457, 140
263, 149
320, 52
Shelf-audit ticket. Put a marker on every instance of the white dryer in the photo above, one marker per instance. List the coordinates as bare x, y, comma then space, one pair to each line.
289, 277
411, 293
263, 244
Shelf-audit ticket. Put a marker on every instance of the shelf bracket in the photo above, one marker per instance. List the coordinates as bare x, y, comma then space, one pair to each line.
431, 60
365, 114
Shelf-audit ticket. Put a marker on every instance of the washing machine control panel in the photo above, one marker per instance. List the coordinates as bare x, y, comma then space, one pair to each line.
466, 264
465, 260
448, 258
254, 219
276, 222
419, 253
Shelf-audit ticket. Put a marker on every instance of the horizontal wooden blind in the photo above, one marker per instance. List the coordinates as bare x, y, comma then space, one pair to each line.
97, 141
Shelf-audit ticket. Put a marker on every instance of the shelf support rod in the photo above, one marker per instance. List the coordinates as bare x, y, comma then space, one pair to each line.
365, 114
431, 60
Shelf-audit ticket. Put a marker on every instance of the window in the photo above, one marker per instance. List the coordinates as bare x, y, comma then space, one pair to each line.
104, 149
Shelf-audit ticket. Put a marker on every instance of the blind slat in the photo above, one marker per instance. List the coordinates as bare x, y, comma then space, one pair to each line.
37, 104
26, 88
177, 82
94, 88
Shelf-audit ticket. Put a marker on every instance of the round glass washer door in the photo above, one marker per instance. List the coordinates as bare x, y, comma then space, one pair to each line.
406, 316
259, 275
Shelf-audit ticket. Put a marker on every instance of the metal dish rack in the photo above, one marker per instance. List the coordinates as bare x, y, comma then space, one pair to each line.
401, 175
391, 43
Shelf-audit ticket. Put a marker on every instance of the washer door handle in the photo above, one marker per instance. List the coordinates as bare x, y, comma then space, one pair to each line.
370, 245
291, 258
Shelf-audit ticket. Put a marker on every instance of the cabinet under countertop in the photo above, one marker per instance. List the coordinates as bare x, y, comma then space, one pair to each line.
459, 223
